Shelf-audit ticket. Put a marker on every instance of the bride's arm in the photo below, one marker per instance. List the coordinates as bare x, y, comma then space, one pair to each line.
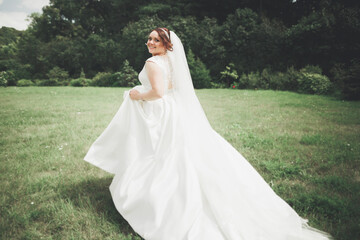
157, 84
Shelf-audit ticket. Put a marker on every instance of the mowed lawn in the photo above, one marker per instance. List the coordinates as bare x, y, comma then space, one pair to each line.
306, 147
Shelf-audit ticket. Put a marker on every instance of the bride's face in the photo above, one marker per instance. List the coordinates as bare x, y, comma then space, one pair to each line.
155, 45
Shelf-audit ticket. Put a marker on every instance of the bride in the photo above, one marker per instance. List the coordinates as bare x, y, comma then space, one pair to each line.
175, 177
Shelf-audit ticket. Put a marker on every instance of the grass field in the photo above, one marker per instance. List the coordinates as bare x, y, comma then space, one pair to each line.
306, 147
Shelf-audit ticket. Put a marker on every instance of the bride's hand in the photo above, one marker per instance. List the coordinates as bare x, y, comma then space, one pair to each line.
134, 94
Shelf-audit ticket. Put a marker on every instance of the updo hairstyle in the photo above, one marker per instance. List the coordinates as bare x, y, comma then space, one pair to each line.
165, 38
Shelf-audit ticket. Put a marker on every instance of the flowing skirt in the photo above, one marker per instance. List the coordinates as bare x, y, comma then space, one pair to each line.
170, 187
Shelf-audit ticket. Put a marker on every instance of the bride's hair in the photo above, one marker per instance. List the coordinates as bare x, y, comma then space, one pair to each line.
164, 34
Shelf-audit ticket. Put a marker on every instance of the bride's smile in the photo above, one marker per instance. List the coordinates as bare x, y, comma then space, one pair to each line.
155, 44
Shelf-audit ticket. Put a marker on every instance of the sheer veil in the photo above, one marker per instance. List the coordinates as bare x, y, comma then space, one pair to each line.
192, 114
212, 156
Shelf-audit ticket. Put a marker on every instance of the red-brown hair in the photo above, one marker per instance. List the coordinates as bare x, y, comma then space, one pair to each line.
164, 37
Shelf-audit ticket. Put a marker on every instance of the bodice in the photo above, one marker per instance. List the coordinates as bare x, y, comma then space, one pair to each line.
164, 63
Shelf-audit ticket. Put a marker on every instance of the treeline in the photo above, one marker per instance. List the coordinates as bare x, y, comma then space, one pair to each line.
284, 44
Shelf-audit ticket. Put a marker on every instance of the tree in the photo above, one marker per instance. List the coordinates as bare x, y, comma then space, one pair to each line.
239, 39
229, 75
98, 36
57, 76
9, 35
127, 77
199, 73
203, 38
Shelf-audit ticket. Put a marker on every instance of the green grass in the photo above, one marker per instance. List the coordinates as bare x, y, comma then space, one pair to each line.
306, 147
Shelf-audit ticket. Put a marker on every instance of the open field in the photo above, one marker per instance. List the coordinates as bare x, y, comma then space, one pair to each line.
306, 147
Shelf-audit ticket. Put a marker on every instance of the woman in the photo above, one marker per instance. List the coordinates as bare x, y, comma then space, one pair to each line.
175, 177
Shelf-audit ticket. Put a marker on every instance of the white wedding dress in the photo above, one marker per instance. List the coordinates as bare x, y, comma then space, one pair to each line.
174, 181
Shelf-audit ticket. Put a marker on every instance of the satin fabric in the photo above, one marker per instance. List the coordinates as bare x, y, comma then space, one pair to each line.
172, 184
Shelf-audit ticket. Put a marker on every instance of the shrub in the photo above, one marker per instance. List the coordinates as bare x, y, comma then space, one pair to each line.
199, 73
130, 75
80, 82
21, 71
46, 82
57, 76
24, 83
291, 82
3, 80
311, 80
314, 83
266, 78
229, 75
252, 80
312, 69
118, 80
308, 80
7, 78
127, 77
217, 85
82, 73
242, 83
102, 79
284, 80
348, 79
277, 81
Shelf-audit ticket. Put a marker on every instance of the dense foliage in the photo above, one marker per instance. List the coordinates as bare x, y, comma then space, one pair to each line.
251, 36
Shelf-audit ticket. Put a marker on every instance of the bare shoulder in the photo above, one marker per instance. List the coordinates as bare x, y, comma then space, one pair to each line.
151, 66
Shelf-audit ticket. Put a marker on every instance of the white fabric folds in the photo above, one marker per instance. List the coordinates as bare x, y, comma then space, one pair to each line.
177, 179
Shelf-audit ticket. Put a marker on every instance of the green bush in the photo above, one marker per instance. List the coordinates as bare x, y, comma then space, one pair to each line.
7, 78
199, 73
252, 80
82, 73
14, 71
285, 81
277, 81
57, 77
291, 82
118, 80
314, 83
347, 79
102, 79
266, 78
21, 71
37, 82
3, 80
229, 75
80, 82
311, 80
127, 77
217, 85
46, 82
242, 83
24, 83
312, 69
308, 80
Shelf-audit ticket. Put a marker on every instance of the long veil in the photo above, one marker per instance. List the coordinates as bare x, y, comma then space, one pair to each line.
192, 113
236, 194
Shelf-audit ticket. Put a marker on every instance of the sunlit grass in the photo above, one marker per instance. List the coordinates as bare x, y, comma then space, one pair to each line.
306, 147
